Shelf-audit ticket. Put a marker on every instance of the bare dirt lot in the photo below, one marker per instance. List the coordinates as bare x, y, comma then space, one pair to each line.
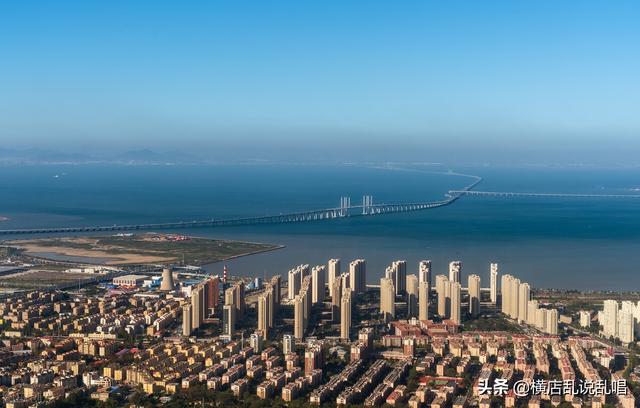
41, 279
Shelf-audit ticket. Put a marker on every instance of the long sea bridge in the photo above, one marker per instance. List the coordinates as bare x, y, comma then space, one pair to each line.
508, 194
346, 209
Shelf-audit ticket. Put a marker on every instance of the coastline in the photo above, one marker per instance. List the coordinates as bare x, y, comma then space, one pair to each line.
275, 248
70, 255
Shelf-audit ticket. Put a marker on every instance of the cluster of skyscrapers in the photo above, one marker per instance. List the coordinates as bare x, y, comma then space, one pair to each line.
318, 284
515, 295
620, 320
268, 303
306, 290
233, 309
358, 276
343, 290
397, 273
415, 288
307, 287
295, 278
517, 304
302, 303
204, 301
449, 293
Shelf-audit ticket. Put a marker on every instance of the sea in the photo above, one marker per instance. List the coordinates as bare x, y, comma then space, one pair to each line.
566, 243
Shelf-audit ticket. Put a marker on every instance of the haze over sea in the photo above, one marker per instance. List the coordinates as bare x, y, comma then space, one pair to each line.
588, 244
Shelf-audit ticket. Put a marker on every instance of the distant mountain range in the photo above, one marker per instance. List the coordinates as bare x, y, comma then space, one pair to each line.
142, 156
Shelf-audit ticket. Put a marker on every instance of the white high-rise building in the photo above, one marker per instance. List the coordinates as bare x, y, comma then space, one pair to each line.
358, 276
387, 299
455, 294
187, 327
302, 308
441, 290
474, 294
423, 300
632, 309
625, 327
389, 273
228, 320
585, 318
524, 295
532, 312
305, 272
455, 268
424, 272
346, 281
296, 276
397, 271
412, 296
317, 284
541, 319
551, 321
287, 344
494, 283
255, 341
506, 294
610, 323
345, 315
333, 271
514, 299
336, 298
299, 321
618, 322
265, 310
636, 317
293, 283
627, 306
197, 306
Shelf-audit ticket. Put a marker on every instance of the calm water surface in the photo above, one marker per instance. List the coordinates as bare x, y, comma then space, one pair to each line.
570, 243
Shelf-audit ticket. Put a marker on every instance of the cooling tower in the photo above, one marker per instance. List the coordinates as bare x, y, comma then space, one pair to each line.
167, 280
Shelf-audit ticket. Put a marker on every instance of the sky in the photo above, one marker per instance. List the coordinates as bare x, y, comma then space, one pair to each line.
420, 80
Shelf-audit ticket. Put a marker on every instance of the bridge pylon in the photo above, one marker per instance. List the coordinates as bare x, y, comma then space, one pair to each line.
367, 203
345, 204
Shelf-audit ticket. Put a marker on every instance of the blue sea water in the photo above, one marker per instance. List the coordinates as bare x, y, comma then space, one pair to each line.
550, 242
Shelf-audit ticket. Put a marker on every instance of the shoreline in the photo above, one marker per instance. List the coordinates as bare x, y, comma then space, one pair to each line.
262, 251
66, 255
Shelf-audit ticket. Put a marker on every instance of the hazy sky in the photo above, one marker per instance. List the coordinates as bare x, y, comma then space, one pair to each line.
421, 79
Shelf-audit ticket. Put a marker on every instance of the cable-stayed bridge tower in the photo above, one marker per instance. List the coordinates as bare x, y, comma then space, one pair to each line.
345, 205
367, 203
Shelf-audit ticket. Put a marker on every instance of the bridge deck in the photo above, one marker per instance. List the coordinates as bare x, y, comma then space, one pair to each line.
305, 216
314, 215
550, 195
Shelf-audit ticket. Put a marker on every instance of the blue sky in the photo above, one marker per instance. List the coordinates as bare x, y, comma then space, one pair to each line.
419, 79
